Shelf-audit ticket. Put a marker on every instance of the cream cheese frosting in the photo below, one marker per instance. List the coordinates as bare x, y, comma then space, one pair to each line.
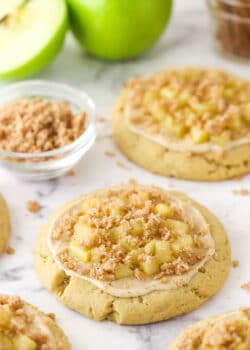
131, 287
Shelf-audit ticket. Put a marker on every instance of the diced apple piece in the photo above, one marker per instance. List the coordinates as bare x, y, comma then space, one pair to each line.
198, 135
96, 255
80, 252
247, 112
174, 128
116, 234
135, 255
149, 98
177, 226
158, 112
168, 93
199, 108
5, 316
163, 251
89, 203
116, 212
83, 233
23, 342
183, 242
235, 124
123, 271
126, 245
150, 266
163, 210
150, 247
143, 195
137, 227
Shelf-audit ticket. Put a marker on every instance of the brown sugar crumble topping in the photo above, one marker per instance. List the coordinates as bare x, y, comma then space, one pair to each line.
231, 332
20, 327
38, 125
33, 206
128, 232
198, 105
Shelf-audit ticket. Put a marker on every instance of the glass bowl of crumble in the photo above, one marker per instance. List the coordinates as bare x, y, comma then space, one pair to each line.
45, 128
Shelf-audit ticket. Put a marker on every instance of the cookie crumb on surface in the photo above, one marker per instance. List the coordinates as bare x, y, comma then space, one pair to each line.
132, 182
122, 165
10, 251
246, 286
110, 154
70, 173
131, 330
242, 192
235, 263
101, 120
33, 206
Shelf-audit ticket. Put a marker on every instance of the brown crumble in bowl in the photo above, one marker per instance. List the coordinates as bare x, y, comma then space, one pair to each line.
134, 232
38, 125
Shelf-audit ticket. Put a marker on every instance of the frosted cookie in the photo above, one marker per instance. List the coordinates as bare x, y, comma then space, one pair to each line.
24, 327
189, 123
229, 331
133, 254
4, 224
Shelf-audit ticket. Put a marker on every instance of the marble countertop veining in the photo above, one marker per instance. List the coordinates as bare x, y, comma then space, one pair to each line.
187, 42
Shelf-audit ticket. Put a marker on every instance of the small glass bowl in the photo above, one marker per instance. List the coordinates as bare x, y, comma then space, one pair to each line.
231, 27
51, 164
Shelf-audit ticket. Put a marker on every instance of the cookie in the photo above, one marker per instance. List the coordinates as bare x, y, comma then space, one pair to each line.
4, 224
226, 331
23, 326
188, 123
133, 254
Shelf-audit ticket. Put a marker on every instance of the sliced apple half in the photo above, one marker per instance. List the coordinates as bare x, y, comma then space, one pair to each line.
31, 34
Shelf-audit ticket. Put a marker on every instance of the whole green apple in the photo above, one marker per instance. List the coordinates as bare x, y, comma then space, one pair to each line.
118, 29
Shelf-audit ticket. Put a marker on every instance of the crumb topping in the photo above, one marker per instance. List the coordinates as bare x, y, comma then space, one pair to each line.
191, 104
10, 250
231, 332
242, 192
129, 232
22, 328
38, 125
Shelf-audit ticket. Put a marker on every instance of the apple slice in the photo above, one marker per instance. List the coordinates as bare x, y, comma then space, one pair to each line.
31, 34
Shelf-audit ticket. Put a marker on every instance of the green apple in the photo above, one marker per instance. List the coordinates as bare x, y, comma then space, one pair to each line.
31, 34
118, 29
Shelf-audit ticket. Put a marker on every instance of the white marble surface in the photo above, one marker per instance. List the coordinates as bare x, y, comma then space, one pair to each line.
186, 42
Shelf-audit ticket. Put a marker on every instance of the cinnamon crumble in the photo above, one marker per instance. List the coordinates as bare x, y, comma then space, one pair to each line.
129, 232
10, 251
38, 125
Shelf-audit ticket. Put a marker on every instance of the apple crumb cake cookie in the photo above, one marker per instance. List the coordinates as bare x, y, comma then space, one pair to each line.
4, 224
133, 254
229, 331
23, 327
190, 123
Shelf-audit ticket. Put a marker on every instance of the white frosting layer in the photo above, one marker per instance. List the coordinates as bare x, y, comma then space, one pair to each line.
131, 287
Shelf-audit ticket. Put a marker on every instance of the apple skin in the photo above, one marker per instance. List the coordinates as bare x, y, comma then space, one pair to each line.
118, 29
44, 57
